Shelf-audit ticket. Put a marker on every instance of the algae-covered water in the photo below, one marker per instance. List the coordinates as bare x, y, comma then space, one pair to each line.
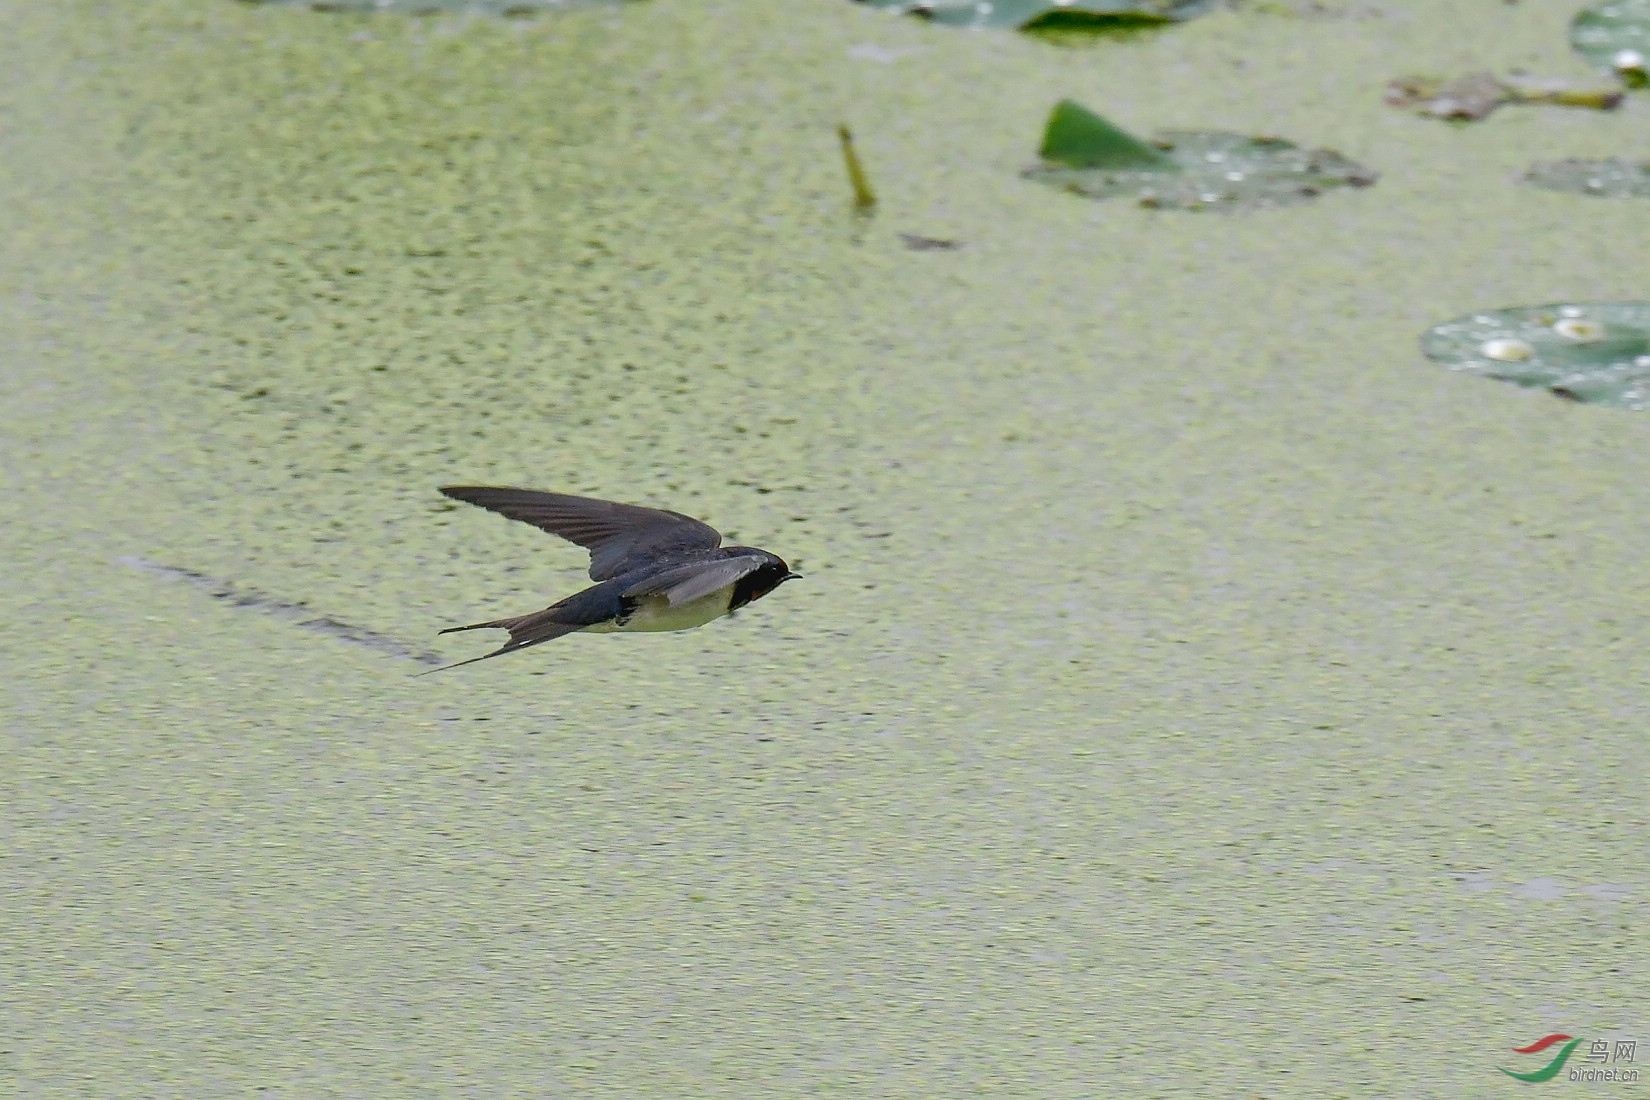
1194, 691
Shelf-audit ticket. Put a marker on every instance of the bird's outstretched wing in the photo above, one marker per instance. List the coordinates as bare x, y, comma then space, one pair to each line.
619, 537
695, 579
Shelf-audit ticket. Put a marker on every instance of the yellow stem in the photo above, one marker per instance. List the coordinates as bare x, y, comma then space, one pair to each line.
864, 197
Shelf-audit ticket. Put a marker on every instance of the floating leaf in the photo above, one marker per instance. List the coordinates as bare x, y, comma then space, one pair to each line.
1609, 178
1470, 98
1190, 170
1466, 98
1615, 36
1596, 352
1076, 137
1046, 14
916, 242
438, 7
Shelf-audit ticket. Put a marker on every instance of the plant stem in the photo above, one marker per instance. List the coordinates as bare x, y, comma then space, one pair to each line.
864, 197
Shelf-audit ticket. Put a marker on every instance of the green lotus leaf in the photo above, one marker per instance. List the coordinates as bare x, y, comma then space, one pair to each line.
1615, 36
1076, 137
1188, 170
1610, 178
436, 7
1045, 14
1594, 352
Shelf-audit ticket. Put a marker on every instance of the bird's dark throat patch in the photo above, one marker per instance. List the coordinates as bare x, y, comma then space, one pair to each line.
755, 585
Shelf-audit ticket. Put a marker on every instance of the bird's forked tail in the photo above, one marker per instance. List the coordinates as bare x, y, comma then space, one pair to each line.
525, 630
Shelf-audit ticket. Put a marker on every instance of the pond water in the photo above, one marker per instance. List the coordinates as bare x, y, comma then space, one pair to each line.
1193, 690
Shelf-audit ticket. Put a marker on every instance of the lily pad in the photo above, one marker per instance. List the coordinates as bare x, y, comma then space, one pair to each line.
1595, 352
1615, 36
1609, 178
1076, 137
1188, 170
1046, 14
1470, 98
436, 7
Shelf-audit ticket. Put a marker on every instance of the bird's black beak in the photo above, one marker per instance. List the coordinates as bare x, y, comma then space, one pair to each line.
790, 577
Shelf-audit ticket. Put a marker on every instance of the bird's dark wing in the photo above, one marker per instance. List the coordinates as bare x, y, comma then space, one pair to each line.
620, 537
695, 579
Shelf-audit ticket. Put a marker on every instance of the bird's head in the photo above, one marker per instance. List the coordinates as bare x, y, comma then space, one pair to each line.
773, 572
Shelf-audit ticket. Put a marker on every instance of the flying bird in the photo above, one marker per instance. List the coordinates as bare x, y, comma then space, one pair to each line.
655, 570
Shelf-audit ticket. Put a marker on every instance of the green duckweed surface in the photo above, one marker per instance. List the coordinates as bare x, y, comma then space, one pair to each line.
1194, 691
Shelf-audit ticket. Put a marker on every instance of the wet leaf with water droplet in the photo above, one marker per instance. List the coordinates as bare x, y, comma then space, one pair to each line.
1470, 98
1046, 14
1609, 178
1593, 352
1188, 170
1466, 98
1615, 36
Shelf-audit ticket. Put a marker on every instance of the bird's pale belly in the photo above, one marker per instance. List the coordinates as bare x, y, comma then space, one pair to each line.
655, 613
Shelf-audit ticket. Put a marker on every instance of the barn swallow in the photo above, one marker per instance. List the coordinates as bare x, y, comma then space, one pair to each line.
655, 570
